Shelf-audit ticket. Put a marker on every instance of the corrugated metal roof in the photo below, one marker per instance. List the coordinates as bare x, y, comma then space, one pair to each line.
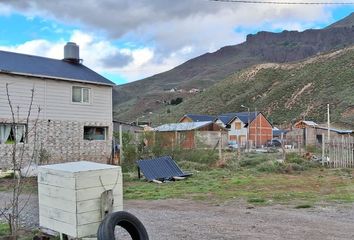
162, 168
22, 64
200, 117
310, 123
339, 131
184, 126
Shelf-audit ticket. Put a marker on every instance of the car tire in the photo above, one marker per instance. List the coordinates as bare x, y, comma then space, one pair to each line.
126, 220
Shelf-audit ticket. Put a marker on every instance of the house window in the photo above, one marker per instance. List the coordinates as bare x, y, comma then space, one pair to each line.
237, 125
81, 94
10, 133
95, 133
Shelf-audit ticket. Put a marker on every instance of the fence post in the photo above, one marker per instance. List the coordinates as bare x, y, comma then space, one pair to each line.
323, 148
220, 142
120, 144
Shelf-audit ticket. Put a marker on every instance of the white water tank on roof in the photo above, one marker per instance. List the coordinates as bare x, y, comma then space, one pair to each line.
72, 52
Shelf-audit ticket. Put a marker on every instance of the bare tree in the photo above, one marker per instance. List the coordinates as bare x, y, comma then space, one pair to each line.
21, 154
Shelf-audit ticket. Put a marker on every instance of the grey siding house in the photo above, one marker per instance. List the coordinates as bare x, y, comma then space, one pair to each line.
75, 118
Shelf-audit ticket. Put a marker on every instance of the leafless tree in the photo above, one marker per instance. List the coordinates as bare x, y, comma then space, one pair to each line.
21, 155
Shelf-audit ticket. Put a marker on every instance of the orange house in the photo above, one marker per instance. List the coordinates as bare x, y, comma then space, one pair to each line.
260, 130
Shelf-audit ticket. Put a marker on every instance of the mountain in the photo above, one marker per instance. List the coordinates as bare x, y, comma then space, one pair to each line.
284, 92
345, 22
149, 95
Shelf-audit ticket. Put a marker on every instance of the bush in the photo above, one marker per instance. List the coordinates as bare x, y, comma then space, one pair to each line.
271, 167
252, 162
294, 158
298, 163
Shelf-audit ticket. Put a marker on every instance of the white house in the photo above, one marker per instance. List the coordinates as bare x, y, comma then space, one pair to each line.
75, 118
246, 126
237, 128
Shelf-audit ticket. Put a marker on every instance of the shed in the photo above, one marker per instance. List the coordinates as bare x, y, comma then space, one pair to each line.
311, 133
205, 134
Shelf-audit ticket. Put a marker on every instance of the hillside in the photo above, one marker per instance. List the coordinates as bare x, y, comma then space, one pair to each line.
148, 95
284, 92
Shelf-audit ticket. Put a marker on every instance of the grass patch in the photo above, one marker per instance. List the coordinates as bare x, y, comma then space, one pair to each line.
4, 229
255, 177
29, 185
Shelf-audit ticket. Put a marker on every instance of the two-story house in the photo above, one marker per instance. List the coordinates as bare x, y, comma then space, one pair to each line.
253, 127
75, 118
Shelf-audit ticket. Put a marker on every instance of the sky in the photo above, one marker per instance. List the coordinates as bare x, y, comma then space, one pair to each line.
128, 40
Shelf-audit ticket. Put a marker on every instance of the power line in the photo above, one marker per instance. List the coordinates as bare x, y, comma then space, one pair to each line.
284, 3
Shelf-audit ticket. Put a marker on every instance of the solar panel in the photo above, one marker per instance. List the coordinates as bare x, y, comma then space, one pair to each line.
161, 168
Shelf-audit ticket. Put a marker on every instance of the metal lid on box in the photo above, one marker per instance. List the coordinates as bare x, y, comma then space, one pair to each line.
80, 166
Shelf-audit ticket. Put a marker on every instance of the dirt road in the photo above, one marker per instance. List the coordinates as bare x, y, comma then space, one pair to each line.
180, 219
185, 219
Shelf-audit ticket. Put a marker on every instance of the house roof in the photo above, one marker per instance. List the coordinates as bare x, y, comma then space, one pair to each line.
307, 123
184, 126
29, 65
199, 117
339, 131
227, 118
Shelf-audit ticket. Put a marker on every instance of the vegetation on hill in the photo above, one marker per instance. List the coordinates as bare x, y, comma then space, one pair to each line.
141, 97
284, 92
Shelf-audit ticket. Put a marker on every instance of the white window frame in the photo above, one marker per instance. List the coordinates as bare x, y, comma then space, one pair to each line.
82, 95
23, 134
94, 127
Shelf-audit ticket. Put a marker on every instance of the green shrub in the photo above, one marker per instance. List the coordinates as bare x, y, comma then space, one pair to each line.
271, 167
252, 162
190, 166
294, 158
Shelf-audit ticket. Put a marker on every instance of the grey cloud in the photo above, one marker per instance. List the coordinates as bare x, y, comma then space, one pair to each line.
168, 25
117, 60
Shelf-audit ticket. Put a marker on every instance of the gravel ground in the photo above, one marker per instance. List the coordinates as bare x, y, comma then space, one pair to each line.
185, 219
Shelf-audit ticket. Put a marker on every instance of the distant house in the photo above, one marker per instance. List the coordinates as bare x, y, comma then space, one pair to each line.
75, 121
196, 118
279, 133
310, 133
194, 90
246, 126
126, 127
204, 134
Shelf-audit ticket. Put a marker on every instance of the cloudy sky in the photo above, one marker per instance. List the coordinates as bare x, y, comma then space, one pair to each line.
127, 40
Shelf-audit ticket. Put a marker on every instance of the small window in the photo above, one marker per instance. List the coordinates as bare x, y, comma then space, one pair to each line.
10, 133
95, 133
81, 95
237, 125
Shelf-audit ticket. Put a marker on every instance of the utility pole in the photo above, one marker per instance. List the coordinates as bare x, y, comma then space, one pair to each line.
255, 118
248, 125
328, 124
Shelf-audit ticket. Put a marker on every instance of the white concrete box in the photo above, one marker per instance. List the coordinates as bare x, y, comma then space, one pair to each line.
70, 196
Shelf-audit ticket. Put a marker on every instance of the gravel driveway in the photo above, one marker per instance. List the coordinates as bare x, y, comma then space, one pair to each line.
185, 219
